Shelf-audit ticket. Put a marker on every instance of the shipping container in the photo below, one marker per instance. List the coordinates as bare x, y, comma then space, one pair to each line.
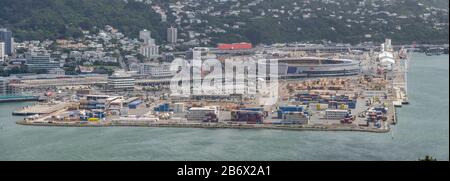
134, 104
93, 119
352, 105
343, 107
283, 109
163, 108
318, 106
291, 108
247, 116
295, 117
381, 109
201, 113
252, 109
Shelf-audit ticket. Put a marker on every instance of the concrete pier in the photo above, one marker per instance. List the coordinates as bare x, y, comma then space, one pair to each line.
41, 108
219, 126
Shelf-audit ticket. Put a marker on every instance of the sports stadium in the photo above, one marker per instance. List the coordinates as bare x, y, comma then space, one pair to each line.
317, 67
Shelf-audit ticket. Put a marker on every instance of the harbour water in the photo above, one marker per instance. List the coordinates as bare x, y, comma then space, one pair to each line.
423, 129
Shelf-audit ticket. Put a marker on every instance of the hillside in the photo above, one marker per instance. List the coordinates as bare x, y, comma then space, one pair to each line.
257, 21
42, 19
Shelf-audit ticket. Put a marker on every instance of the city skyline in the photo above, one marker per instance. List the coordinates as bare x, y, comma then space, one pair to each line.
253, 81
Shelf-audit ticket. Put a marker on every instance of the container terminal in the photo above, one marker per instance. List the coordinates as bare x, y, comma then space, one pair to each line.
317, 90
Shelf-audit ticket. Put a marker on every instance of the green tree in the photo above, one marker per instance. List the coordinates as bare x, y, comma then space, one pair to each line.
427, 158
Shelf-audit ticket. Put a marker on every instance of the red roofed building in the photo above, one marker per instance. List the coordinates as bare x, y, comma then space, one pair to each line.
234, 46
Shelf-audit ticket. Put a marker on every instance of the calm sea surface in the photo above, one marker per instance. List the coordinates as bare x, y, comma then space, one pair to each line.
423, 129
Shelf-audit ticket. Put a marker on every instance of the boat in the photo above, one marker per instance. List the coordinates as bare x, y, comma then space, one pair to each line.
405, 100
434, 51
397, 103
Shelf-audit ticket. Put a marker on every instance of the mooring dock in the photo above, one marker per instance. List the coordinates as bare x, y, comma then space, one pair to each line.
41, 108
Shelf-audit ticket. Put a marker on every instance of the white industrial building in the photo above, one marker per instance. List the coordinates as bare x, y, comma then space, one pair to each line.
155, 70
200, 113
239, 88
120, 81
336, 114
386, 57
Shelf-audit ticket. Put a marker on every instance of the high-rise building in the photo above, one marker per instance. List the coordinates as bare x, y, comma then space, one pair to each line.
150, 41
2, 52
145, 35
388, 45
6, 37
172, 34
150, 51
41, 62
163, 17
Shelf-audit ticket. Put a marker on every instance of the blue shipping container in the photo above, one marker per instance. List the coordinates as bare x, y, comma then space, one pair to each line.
252, 109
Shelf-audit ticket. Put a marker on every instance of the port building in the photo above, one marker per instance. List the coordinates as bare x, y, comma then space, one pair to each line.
120, 81
41, 62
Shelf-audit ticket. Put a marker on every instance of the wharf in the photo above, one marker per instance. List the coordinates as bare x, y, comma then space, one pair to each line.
41, 109
399, 87
394, 115
219, 126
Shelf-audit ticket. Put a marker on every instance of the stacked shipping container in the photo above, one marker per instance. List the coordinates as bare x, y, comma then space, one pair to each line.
250, 117
334, 102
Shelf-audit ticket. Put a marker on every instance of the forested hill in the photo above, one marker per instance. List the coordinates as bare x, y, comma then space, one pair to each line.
214, 21
42, 19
